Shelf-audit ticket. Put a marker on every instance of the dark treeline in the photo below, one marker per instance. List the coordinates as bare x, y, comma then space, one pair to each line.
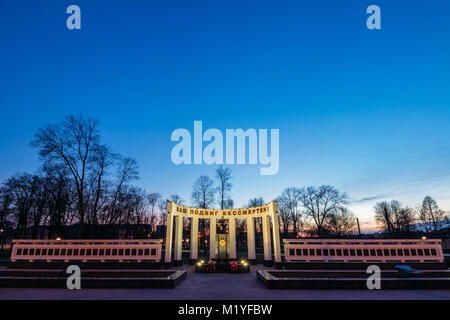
82, 183
396, 220
85, 190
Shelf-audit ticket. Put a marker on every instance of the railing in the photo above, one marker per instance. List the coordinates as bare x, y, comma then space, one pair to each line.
363, 250
86, 250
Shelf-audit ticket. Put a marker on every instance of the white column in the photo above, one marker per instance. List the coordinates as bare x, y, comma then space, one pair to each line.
251, 239
194, 238
178, 238
276, 237
212, 238
169, 233
266, 238
232, 234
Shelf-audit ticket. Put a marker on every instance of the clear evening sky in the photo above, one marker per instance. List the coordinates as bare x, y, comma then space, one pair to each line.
365, 111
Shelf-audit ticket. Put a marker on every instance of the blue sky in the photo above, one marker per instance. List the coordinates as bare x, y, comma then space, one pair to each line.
366, 111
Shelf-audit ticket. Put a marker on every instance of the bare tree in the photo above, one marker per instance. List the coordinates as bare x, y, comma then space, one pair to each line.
224, 186
383, 216
153, 199
284, 216
40, 204
404, 219
341, 222
70, 144
126, 172
320, 202
290, 201
139, 210
229, 204
6, 201
162, 206
103, 158
430, 214
176, 199
256, 202
22, 189
60, 199
203, 191
393, 218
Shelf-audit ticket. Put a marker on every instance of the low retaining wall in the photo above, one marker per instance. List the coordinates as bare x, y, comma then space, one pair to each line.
362, 265
119, 279
289, 280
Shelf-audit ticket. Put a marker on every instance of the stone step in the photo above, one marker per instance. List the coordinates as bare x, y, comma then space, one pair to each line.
92, 279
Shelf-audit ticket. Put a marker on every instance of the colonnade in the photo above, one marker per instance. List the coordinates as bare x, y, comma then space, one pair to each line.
268, 213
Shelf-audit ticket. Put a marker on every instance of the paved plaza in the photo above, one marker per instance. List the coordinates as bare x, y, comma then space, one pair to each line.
219, 286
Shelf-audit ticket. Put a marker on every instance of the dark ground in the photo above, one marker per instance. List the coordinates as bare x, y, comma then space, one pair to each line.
220, 286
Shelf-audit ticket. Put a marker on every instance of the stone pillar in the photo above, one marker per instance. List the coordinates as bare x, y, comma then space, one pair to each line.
194, 240
232, 234
178, 261
251, 240
169, 233
266, 240
276, 236
212, 238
